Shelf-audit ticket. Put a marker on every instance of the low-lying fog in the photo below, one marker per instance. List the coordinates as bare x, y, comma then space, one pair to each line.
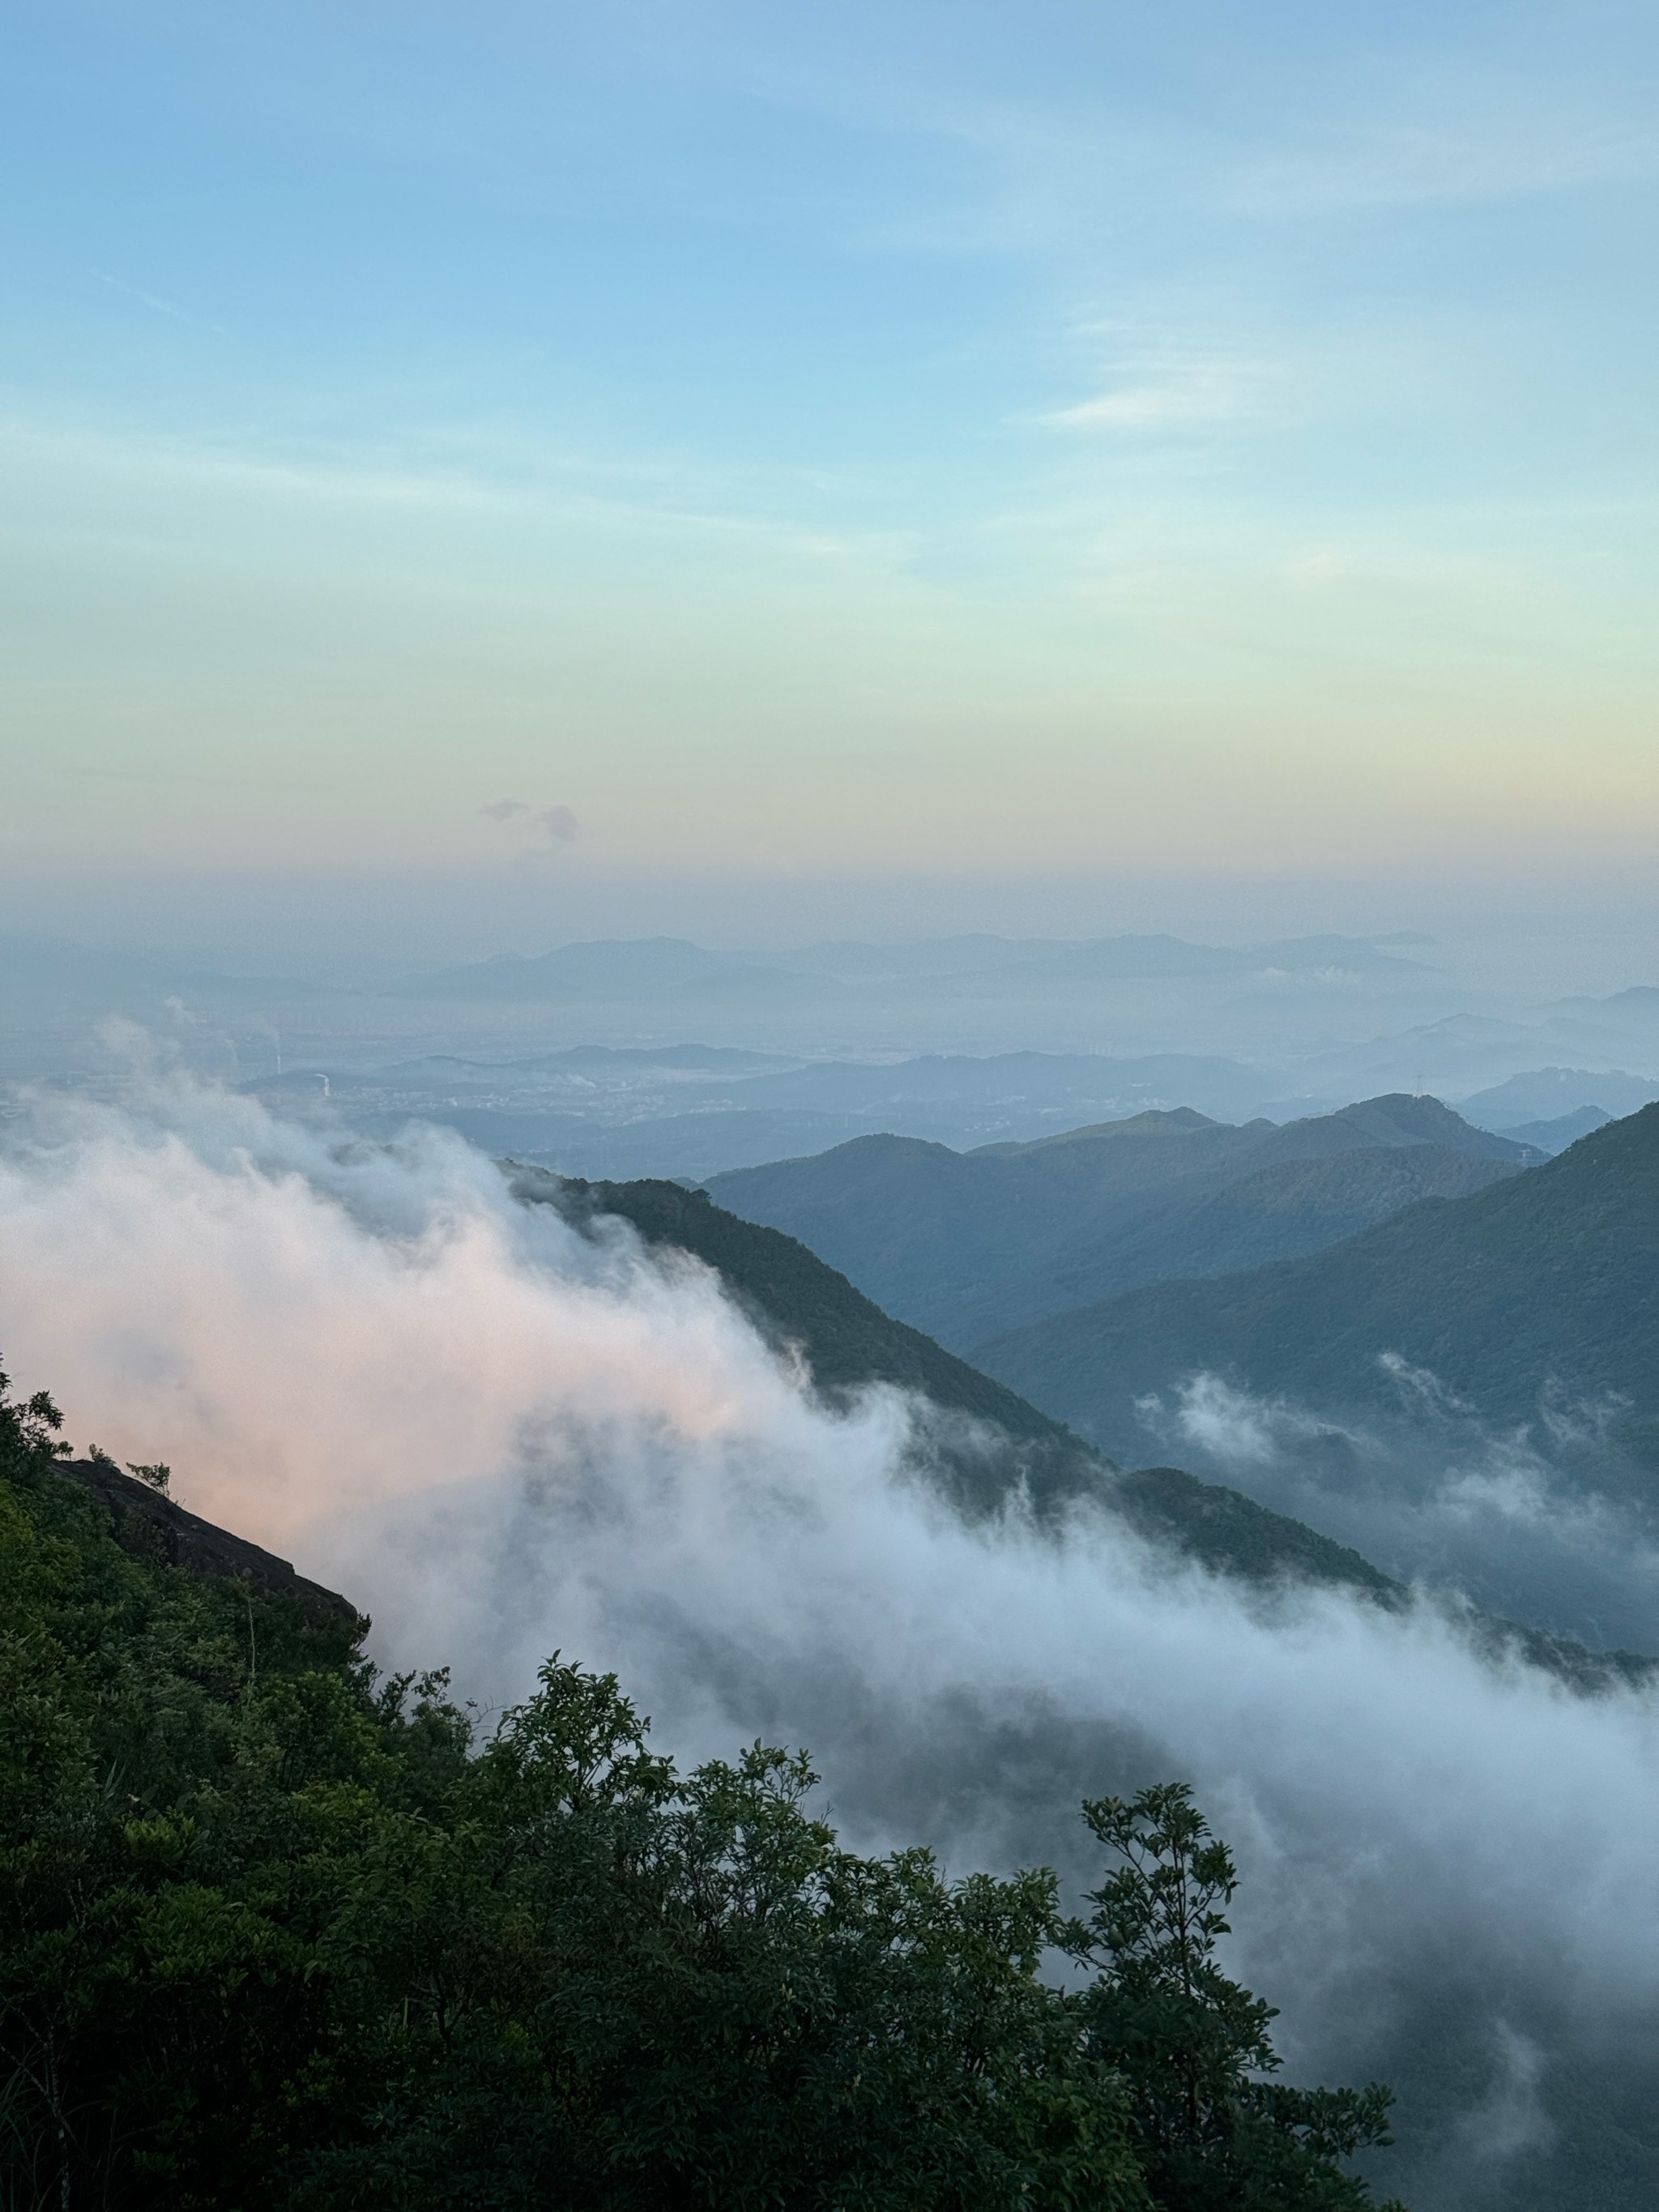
500, 1438
1547, 1522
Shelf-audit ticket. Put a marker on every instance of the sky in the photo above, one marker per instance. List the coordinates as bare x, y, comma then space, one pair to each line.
577, 465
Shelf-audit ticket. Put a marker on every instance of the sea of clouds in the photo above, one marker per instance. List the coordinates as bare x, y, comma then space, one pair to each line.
501, 1436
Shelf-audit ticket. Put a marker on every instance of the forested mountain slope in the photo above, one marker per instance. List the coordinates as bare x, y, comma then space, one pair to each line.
966, 1245
915, 1225
1217, 1224
848, 1341
1548, 1278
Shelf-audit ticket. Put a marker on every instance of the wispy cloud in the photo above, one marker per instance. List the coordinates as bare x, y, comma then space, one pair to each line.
497, 477
557, 825
1513, 150
159, 305
559, 828
1155, 391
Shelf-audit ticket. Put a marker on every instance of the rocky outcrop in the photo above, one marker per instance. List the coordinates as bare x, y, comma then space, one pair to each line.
146, 1521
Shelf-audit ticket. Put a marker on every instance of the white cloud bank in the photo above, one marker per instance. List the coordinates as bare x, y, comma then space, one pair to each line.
501, 1437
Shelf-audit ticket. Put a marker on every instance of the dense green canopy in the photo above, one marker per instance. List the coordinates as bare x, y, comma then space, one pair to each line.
275, 1932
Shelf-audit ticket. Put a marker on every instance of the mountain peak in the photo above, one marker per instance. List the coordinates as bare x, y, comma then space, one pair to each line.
1403, 1117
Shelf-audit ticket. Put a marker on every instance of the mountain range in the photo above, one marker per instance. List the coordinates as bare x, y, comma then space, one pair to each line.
969, 1245
846, 1341
1597, 2124
1538, 1296
640, 967
748, 1108
53, 974
1543, 1093
1554, 1136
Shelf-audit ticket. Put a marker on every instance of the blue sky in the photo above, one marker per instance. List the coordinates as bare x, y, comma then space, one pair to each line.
862, 442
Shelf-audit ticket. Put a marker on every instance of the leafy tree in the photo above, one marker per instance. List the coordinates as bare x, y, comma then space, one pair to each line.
1210, 2130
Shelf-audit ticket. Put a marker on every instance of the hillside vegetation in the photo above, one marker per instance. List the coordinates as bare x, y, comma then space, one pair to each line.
792, 1294
1216, 1226
279, 1936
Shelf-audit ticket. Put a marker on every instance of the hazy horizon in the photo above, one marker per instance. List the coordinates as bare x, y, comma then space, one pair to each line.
1539, 941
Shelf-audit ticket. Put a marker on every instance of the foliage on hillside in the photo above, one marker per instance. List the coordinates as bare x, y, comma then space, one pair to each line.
275, 1933
1282, 1211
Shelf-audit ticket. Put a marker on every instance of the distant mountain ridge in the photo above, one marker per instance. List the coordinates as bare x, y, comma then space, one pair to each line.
1123, 957
1550, 1278
60, 972
750, 1108
966, 1245
865, 1086
1554, 1136
631, 967
645, 967
1547, 1093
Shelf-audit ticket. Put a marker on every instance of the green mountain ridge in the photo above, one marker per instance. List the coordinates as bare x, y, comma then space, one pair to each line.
1548, 1279
848, 1341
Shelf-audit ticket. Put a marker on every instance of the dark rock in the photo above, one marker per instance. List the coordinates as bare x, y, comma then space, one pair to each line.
146, 1521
